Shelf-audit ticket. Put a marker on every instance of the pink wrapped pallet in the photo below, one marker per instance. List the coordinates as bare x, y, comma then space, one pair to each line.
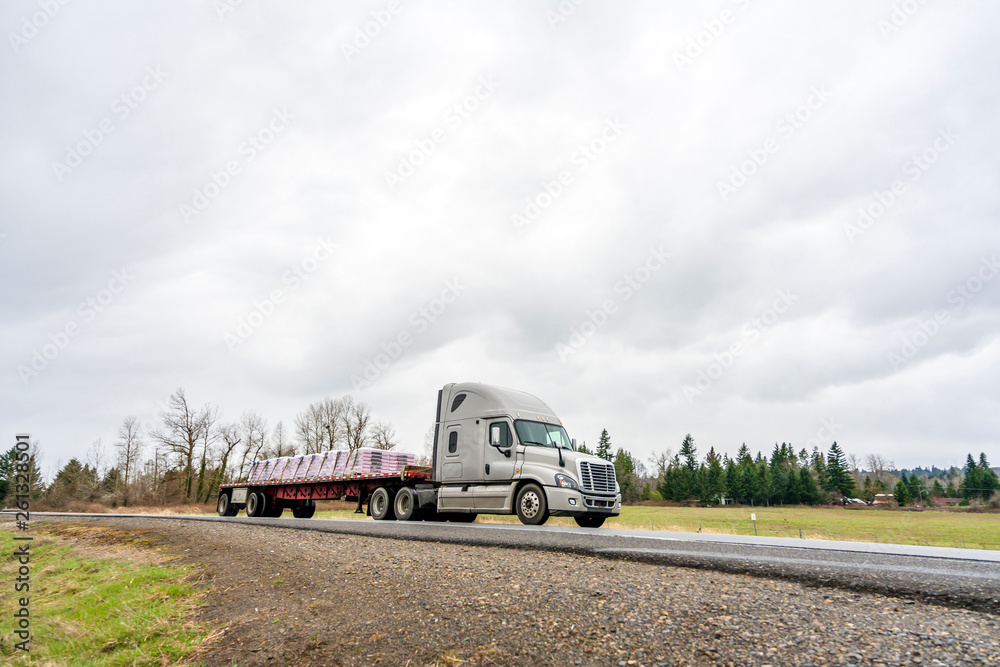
277, 469
256, 468
314, 467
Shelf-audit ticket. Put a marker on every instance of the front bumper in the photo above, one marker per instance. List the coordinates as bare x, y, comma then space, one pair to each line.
570, 502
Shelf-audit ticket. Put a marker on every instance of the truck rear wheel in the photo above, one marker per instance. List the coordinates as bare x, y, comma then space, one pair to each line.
532, 508
257, 505
225, 506
380, 504
305, 510
589, 521
405, 505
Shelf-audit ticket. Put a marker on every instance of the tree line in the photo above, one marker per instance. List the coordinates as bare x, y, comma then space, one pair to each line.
192, 450
788, 477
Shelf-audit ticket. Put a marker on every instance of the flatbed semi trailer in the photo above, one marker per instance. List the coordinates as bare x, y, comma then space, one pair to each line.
496, 451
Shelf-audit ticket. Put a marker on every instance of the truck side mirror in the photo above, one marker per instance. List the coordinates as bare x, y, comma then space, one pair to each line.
573, 444
500, 437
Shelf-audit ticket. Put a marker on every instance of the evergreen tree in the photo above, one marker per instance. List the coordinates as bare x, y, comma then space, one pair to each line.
937, 491
988, 480
690, 453
902, 491
713, 479
604, 446
582, 448
810, 489
838, 476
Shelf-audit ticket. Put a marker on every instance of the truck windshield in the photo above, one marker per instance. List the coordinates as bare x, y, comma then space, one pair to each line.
542, 435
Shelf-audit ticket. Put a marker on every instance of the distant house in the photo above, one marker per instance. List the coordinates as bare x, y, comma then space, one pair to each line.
946, 502
884, 499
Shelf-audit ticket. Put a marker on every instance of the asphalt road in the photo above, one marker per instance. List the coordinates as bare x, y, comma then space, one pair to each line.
967, 578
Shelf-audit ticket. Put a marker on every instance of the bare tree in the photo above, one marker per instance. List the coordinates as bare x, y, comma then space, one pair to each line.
881, 469
230, 436
383, 435
129, 447
356, 425
97, 456
427, 457
280, 444
254, 435
182, 433
322, 426
209, 416
660, 463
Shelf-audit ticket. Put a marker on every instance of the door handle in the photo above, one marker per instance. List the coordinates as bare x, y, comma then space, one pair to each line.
487, 468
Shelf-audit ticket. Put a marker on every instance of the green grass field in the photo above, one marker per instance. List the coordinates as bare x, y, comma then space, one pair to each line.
98, 609
924, 528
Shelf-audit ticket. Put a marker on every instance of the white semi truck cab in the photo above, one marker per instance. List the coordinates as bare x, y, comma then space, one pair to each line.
501, 451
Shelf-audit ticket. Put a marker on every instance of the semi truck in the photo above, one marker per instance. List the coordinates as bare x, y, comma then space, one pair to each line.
495, 451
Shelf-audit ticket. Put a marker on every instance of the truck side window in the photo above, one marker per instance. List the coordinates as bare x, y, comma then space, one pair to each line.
453, 442
500, 435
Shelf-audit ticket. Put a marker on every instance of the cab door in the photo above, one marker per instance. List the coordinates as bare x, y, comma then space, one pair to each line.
499, 456
498, 468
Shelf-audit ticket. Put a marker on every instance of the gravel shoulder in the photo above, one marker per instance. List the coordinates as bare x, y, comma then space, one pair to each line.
293, 597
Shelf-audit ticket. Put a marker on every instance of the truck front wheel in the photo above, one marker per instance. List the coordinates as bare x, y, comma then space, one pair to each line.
381, 504
590, 521
532, 508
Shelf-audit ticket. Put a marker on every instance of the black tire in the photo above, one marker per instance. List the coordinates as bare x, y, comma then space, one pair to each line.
589, 521
532, 507
305, 510
380, 504
225, 506
405, 505
462, 517
275, 510
257, 505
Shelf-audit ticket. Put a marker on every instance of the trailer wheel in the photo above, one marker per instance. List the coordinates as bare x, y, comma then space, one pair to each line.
405, 505
275, 510
305, 511
380, 504
225, 507
589, 521
532, 508
257, 505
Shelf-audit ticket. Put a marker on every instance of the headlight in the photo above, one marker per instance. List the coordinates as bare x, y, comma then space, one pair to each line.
566, 482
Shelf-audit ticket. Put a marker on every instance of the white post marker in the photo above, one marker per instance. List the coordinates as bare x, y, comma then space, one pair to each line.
753, 517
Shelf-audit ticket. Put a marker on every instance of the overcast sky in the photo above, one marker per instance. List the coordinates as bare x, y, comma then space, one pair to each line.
754, 221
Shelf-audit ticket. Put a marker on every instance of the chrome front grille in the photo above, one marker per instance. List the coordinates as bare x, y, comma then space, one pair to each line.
597, 477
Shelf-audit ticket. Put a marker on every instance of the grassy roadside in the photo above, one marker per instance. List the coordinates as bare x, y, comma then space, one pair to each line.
926, 528
98, 605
